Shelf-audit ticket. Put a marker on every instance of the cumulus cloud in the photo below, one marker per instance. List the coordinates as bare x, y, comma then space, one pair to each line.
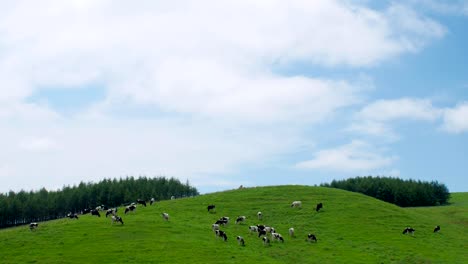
455, 120
357, 156
206, 67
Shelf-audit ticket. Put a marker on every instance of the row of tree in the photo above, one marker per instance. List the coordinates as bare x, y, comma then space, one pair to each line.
25, 207
403, 193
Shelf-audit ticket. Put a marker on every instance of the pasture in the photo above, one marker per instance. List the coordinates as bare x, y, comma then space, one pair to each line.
350, 228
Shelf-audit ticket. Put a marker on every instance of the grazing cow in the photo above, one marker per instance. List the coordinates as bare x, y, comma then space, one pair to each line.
86, 211
111, 211
269, 229
311, 237
142, 202
436, 229
240, 219
277, 236
221, 234
72, 215
266, 241
95, 212
33, 226
221, 222
116, 218
259, 215
409, 230
318, 207
130, 208
211, 207
253, 229
165, 216
215, 227
261, 232
296, 204
172, 197
240, 240
261, 227
291, 232
152, 201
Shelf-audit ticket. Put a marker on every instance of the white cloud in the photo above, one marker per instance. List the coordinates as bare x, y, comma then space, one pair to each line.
455, 120
357, 156
38, 144
403, 108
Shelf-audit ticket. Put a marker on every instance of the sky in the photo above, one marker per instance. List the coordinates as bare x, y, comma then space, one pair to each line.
230, 93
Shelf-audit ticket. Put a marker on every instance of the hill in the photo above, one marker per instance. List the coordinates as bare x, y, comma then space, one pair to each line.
352, 228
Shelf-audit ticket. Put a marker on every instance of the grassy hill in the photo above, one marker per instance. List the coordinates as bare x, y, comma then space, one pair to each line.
352, 228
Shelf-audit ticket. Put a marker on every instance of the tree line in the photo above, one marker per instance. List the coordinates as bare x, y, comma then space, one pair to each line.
33, 206
403, 193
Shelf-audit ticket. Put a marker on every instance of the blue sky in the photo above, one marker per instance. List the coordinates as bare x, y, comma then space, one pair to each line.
233, 92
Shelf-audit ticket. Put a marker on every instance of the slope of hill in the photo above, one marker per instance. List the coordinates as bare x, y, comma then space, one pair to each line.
352, 228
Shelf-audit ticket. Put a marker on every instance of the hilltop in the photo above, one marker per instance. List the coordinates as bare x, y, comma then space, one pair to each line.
351, 228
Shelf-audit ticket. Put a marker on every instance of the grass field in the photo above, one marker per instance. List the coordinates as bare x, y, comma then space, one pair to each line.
352, 228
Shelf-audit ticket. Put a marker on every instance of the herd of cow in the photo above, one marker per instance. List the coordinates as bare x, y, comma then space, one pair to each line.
261, 230
109, 211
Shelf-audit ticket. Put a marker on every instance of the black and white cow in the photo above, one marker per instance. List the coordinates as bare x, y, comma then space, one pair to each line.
291, 232
95, 212
261, 232
116, 218
142, 202
259, 215
296, 204
72, 215
436, 229
266, 241
165, 216
33, 226
221, 222
130, 208
211, 207
318, 207
152, 201
111, 211
240, 240
253, 229
215, 227
311, 237
221, 234
86, 211
409, 230
240, 219
277, 236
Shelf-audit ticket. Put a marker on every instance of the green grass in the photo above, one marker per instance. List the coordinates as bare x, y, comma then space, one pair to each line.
352, 228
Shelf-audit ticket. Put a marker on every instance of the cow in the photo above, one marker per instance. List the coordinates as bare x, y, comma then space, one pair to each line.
215, 227
259, 215
311, 237
269, 229
95, 212
130, 208
296, 204
277, 236
240, 240
221, 234
253, 229
261, 232
291, 232
240, 219
211, 207
266, 241
165, 216
116, 218
86, 211
436, 229
152, 201
172, 197
409, 230
111, 211
72, 215
318, 207
221, 222
142, 202
33, 226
